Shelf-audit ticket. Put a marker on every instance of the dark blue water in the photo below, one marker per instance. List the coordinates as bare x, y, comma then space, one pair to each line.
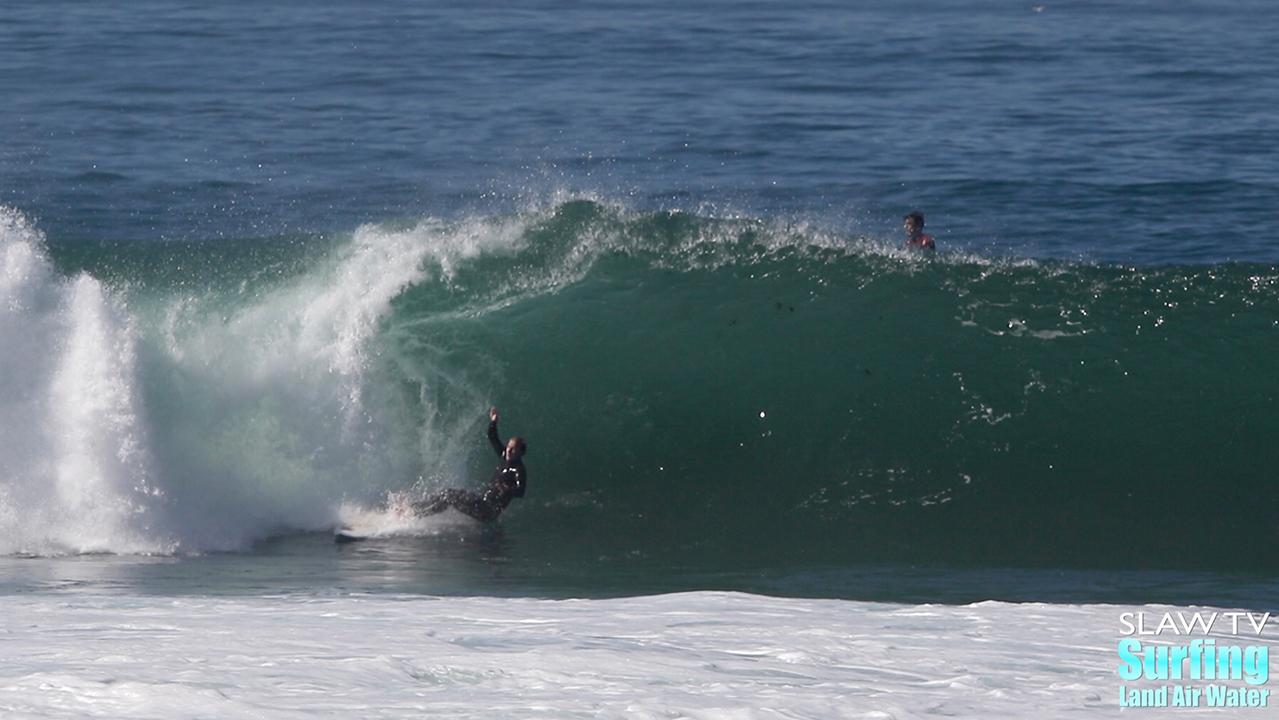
318, 241
1118, 132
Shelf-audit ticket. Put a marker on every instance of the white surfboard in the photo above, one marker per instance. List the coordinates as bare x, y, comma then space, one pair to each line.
395, 519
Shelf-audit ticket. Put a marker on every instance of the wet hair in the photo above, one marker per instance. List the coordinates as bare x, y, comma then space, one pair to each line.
915, 217
520, 445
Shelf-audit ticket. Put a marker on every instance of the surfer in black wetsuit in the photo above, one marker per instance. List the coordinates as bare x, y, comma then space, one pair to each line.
506, 484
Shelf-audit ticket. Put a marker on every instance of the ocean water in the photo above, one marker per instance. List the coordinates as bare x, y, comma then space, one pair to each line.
264, 270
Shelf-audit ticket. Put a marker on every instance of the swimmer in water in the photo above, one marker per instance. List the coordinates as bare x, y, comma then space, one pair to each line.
915, 237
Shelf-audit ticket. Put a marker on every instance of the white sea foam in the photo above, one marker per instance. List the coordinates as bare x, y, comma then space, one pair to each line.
696, 655
76, 472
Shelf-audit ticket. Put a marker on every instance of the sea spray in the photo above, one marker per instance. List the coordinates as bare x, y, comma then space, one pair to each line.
102, 446
295, 412
233, 416
77, 471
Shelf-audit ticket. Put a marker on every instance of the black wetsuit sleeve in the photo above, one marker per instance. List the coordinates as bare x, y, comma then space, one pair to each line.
494, 440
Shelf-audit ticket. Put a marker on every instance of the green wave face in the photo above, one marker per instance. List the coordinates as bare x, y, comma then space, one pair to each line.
716, 391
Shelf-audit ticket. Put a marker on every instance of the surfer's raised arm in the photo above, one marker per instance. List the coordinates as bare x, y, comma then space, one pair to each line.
494, 439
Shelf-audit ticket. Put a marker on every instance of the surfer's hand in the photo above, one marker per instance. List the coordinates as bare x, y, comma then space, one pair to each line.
493, 414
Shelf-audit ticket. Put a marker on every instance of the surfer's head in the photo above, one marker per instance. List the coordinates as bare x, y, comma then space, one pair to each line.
914, 223
515, 448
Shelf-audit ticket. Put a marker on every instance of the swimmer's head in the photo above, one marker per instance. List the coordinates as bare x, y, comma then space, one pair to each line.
914, 222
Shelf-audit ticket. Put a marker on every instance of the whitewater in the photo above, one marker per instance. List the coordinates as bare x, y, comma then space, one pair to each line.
697, 655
